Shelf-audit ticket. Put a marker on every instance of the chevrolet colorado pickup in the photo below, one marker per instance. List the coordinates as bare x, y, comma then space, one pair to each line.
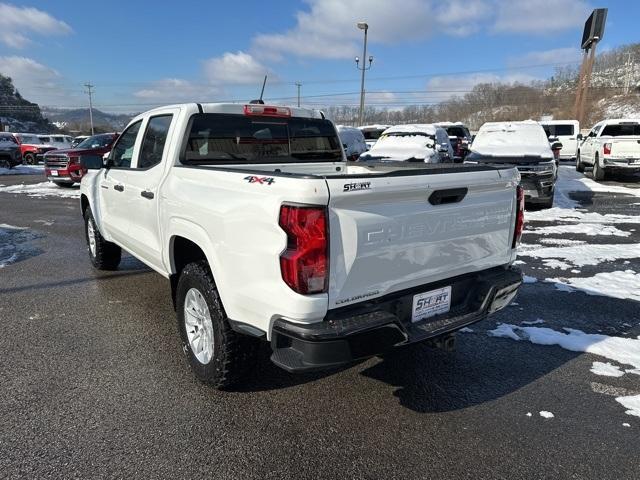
611, 146
266, 231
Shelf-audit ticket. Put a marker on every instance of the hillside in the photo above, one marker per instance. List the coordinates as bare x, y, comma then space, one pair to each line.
608, 97
18, 114
77, 120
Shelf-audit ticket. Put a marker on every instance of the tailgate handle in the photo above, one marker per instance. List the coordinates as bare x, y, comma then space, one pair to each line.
450, 195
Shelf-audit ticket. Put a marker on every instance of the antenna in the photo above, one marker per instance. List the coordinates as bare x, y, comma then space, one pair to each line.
263, 84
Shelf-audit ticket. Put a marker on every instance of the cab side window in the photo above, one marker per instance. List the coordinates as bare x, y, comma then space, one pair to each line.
122, 152
154, 141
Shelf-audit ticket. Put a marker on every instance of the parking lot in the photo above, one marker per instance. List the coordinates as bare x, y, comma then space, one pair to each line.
94, 383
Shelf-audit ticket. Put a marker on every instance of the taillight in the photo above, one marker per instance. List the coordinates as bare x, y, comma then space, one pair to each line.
606, 149
304, 263
517, 231
267, 111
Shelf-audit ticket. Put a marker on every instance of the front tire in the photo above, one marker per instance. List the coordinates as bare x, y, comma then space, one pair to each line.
29, 159
104, 255
579, 164
216, 354
598, 171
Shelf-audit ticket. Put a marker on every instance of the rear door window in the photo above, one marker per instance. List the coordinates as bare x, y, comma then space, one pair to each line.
154, 141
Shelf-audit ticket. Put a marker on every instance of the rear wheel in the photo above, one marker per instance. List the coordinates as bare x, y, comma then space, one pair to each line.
598, 171
5, 163
29, 159
216, 354
104, 255
64, 184
579, 164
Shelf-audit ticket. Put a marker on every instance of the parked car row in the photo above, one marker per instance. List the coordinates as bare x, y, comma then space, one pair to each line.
34, 146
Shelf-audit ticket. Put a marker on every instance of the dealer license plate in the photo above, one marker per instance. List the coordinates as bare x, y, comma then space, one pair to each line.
431, 303
54, 173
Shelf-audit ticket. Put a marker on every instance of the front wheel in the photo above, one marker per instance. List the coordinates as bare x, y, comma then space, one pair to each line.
104, 255
598, 171
216, 354
29, 159
579, 164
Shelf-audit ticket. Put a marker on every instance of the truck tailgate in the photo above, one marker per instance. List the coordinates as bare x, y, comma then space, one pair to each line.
392, 233
625, 147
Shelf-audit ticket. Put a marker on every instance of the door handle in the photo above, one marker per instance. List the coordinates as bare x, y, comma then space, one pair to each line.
147, 194
119, 188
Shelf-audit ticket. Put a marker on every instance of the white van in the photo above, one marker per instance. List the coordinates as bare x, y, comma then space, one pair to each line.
566, 131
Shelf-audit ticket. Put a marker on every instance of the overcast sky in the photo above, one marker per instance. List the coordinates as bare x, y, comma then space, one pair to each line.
140, 54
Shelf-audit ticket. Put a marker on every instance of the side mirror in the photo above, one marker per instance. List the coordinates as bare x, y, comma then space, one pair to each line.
579, 137
91, 162
106, 161
556, 146
443, 148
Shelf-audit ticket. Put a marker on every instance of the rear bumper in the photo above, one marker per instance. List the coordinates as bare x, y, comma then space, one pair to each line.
367, 329
537, 187
622, 165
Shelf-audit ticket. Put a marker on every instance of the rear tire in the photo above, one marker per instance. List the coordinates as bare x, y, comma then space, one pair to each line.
64, 184
29, 159
598, 171
104, 255
217, 355
5, 164
579, 164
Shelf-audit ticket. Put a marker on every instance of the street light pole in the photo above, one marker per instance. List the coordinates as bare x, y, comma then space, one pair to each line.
364, 68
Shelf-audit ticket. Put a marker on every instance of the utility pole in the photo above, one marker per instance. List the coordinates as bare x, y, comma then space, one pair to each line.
364, 68
89, 92
298, 84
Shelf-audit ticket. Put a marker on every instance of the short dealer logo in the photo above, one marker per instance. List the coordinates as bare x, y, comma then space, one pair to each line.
352, 187
261, 180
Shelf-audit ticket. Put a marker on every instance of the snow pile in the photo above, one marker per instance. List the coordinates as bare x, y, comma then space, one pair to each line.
632, 403
545, 414
43, 189
606, 369
23, 170
498, 139
589, 229
620, 284
528, 279
580, 255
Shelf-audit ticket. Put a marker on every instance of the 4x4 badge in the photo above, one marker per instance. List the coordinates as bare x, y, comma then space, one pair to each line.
261, 180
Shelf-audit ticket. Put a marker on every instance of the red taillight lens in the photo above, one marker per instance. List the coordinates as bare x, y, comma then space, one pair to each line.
517, 232
304, 264
606, 149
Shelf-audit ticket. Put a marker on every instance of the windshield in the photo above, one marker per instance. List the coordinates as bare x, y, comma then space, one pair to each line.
226, 138
30, 139
7, 138
456, 132
620, 130
97, 141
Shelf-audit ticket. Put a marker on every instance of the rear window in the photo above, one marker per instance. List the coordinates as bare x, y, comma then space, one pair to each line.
456, 132
621, 130
372, 134
30, 139
558, 130
226, 138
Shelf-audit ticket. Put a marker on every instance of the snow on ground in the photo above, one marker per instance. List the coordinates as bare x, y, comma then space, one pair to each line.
560, 241
589, 229
533, 322
15, 244
632, 404
606, 369
23, 170
466, 330
545, 414
618, 284
43, 189
528, 279
621, 350
580, 255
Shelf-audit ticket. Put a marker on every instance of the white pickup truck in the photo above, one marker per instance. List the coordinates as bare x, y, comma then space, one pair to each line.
264, 230
611, 146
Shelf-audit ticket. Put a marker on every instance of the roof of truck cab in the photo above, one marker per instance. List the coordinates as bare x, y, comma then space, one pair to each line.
612, 121
238, 109
559, 122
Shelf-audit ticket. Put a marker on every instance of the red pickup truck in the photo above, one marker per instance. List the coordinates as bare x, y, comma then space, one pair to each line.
31, 147
63, 166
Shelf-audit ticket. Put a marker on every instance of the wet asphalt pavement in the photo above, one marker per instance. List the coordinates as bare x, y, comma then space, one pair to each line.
93, 383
